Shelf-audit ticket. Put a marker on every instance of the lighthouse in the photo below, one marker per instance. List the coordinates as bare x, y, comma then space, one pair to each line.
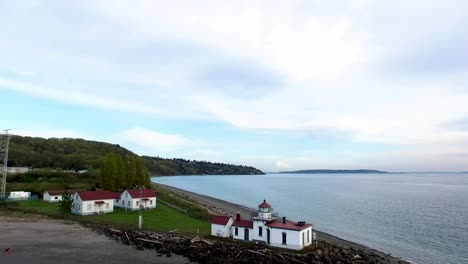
264, 212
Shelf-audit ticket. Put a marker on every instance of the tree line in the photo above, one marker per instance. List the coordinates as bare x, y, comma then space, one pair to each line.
119, 172
80, 154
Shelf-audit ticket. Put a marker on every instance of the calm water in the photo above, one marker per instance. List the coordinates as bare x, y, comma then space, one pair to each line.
422, 217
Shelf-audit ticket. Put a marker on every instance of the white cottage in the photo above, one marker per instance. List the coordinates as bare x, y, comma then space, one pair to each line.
56, 195
221, 225
93, 202
266, 227
132, 199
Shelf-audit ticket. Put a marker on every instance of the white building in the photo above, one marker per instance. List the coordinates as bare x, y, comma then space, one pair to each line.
220, 225
93, 202
56, 195
19, 195
266, 227
130, 199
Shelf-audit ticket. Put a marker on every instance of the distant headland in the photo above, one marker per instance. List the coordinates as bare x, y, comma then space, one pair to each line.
334, 171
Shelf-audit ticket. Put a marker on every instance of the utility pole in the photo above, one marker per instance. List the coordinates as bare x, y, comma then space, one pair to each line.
140, 218
4, 145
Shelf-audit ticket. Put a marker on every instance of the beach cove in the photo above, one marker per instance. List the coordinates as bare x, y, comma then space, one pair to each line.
380, 211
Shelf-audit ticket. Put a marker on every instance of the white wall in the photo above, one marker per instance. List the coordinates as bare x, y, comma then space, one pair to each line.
52, 198
222, 230
256, 225
240, 234
133, 203
293, 238
90, 207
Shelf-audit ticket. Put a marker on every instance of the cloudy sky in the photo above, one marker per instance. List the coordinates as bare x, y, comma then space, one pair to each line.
278, 85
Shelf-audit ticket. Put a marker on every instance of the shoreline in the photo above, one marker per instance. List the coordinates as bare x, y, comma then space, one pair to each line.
219, 206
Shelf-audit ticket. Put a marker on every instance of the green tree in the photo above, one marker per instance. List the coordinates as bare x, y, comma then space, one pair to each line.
120, 179
131, 172
108, 172
66, 203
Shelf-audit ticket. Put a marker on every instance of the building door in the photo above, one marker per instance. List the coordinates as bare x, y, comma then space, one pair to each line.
246, 234
268, 236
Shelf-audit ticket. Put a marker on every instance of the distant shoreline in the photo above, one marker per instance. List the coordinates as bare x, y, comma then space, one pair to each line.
333, 171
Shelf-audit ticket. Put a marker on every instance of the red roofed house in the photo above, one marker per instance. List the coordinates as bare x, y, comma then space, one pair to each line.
267, 228
93, 202
221, 225
130, 199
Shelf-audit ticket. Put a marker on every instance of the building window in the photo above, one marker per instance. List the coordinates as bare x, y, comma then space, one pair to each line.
128, 203
308, 235
123, 202
136, 203
126, 195
107, 205
284, 238
236, 231
151, 202
260, 231
89, 207
56, 197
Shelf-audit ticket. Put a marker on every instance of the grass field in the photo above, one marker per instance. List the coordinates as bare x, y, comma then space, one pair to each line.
162, 218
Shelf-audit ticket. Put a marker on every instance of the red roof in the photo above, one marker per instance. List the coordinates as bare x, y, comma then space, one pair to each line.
220, 219
135, 193
61, 192
264, 205
96, 195
243, 223
278, 223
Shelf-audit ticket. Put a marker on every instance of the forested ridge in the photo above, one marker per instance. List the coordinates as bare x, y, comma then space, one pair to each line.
81, 154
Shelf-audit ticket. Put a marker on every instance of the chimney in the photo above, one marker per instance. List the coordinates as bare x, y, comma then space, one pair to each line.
238, 217
284, 219
264, 200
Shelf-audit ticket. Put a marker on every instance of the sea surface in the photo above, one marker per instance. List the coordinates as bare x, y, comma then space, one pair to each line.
421, 217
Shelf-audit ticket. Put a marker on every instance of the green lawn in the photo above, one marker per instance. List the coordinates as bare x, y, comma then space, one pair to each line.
162, 218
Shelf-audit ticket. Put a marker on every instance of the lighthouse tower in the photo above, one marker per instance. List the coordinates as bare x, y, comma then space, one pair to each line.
264, 211
264, 215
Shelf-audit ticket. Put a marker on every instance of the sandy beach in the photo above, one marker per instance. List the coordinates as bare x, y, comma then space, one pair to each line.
218, 206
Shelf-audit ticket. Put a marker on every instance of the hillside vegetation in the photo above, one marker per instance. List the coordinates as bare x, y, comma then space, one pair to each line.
80, 154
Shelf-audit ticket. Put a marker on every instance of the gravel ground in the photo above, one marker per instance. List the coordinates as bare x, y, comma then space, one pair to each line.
37, 239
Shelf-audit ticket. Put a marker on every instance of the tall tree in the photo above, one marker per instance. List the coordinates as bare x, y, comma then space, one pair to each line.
120, 181
131, 172
108, 172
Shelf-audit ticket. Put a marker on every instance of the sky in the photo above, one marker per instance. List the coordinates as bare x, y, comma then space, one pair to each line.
279, 85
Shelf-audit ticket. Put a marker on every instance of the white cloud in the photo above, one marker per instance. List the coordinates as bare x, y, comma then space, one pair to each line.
153, 140
281, 165
379, 72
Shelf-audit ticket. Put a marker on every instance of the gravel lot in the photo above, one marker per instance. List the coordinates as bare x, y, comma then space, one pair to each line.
37, 239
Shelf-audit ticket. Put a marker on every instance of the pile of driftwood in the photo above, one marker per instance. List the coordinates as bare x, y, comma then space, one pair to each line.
224, 251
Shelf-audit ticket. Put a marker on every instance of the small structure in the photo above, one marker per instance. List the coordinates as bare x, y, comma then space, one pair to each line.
56, 195
265, 227
220, 225
19, 195
93, 202
130, 199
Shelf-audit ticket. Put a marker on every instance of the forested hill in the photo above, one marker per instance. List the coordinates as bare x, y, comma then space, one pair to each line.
80, 154
160, 166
